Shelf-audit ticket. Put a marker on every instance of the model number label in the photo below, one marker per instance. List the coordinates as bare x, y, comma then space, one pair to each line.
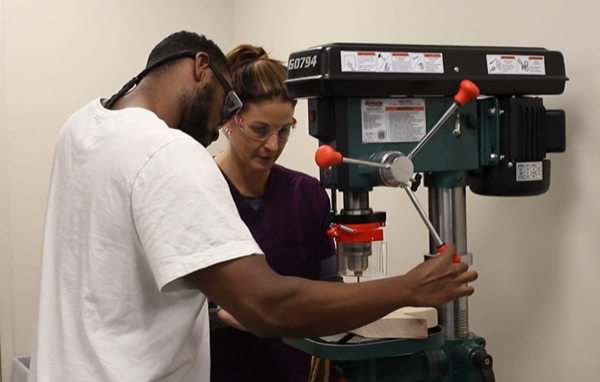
302, 62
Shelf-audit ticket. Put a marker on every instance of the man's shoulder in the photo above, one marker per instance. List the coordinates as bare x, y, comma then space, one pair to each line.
126, 138
135, 126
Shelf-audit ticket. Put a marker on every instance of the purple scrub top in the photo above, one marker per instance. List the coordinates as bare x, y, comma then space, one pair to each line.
290, 226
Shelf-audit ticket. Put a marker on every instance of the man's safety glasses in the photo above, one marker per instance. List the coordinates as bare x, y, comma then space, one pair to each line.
232, 104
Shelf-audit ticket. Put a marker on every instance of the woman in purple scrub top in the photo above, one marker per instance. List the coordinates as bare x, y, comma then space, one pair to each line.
287, 212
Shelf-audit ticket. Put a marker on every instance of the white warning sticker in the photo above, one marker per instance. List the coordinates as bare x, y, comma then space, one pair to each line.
392, 62
520, 65
530, 171
393, 120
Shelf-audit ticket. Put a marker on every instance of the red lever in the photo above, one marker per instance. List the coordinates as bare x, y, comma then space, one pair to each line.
326, 157
467, 92
455, 258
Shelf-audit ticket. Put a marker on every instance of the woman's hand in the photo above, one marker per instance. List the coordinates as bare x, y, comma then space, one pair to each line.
228, 320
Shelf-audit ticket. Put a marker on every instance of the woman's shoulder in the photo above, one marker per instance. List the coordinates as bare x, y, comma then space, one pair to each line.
300, 186
296, 178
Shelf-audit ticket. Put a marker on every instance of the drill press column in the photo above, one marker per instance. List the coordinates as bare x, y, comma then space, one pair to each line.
447, 212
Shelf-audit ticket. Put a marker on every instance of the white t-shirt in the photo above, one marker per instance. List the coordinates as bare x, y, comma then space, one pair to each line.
133, 207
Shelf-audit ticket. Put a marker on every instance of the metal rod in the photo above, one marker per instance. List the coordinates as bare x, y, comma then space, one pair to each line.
447, 211
434, 235
333, 202
435, 128
366, 163
356, 203
347, 229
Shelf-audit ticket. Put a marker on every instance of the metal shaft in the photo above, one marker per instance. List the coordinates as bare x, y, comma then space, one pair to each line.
433, 130
356, 203
413, 198
447, 212
366, 163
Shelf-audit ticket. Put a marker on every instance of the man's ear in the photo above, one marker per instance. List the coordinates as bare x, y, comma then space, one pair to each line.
201, 66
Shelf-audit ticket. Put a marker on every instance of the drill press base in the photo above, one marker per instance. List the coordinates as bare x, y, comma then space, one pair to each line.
398, 360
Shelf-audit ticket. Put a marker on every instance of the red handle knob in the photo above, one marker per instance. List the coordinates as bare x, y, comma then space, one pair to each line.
467, 92
326, 156
455, 258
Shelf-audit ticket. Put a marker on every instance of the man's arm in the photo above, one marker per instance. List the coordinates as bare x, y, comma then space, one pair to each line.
270, 305
220, 318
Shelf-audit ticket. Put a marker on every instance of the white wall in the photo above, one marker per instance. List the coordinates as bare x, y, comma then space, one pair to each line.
55, 57
6, 337
536, 302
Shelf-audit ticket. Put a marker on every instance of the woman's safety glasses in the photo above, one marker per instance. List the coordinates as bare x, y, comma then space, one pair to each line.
261, 131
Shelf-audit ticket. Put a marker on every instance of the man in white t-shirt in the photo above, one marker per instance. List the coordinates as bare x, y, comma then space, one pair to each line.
141, 229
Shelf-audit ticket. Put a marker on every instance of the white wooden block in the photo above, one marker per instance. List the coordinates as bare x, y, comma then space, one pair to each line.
408, 322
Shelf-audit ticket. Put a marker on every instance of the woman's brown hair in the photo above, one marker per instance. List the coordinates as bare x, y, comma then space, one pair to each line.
255, 76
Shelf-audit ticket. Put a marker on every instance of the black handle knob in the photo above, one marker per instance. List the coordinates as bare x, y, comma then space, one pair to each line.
484, 363
415, 185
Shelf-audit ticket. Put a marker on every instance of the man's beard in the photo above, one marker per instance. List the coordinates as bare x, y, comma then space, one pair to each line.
195, 113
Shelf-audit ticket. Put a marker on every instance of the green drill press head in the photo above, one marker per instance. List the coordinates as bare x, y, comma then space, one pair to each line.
366, 100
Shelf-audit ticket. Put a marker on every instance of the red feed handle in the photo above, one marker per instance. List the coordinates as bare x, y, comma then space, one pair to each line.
326, 156
468, 91
455, 258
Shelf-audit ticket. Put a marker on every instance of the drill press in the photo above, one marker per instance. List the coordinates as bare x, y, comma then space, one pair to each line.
390, 115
